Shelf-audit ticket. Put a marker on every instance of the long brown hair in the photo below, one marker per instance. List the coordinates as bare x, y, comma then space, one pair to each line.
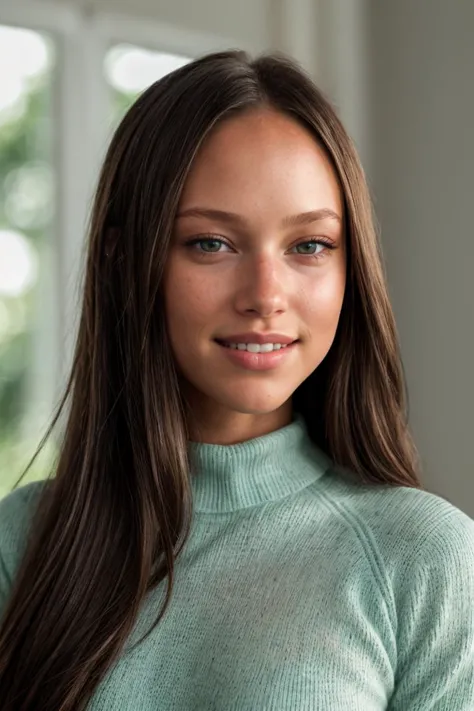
111, 522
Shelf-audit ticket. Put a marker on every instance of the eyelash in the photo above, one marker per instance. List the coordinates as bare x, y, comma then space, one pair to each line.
328, 244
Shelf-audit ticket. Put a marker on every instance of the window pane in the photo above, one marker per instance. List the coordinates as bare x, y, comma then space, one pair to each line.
27, 206
129, 70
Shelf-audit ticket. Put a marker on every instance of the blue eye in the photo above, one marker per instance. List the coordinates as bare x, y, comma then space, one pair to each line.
210, 241
313, 245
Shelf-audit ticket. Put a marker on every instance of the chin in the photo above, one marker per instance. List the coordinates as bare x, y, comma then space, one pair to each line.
237, 397
254, 404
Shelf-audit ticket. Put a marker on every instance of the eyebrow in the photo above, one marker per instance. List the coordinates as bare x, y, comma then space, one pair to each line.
304, 218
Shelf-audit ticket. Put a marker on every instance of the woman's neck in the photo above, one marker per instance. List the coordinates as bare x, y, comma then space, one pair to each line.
212, 423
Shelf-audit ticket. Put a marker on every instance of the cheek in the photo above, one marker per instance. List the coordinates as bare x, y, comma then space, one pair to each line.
323, 303
189, 302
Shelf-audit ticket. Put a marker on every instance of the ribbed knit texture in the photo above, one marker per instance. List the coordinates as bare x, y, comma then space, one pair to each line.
299, 589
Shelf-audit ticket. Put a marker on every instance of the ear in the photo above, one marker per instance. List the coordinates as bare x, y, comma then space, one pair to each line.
110, 242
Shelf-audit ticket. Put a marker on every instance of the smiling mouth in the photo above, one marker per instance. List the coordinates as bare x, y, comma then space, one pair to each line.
255, 347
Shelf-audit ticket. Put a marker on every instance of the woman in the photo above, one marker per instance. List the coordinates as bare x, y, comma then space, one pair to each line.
236, 520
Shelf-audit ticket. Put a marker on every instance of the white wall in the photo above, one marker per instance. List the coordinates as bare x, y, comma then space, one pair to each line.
340, 38
422, 94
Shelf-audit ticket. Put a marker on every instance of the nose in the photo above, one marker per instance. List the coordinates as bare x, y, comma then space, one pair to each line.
262, 288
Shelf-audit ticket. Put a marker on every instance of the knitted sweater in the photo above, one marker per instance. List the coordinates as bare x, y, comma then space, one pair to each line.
299, 589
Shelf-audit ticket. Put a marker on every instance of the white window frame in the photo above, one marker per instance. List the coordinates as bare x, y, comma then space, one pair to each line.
80, 112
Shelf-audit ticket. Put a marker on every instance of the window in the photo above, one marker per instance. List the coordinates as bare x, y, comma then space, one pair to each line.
52, 100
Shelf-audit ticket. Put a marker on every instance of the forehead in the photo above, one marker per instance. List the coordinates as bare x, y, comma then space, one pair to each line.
262, 159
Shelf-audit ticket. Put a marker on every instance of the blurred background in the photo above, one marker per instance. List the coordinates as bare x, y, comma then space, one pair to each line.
400, 75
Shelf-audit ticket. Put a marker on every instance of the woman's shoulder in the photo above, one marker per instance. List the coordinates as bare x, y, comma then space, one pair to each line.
16, 511
18, 503
420, 548
406, 526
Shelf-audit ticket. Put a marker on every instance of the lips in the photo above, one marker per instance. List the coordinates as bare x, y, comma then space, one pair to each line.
251, 360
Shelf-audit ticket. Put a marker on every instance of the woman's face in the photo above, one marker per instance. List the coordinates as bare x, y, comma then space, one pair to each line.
258, 249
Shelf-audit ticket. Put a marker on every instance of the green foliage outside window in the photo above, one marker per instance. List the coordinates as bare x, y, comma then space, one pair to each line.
26, 210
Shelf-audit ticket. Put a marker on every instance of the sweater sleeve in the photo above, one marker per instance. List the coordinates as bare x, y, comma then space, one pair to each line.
435, 665
16, 509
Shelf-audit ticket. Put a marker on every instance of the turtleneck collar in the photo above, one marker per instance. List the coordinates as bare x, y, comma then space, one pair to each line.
230, 477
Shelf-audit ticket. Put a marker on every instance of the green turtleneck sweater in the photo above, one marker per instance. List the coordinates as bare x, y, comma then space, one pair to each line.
299, 589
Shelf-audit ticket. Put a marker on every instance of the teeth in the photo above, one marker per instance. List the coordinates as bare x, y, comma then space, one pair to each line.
256, 347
